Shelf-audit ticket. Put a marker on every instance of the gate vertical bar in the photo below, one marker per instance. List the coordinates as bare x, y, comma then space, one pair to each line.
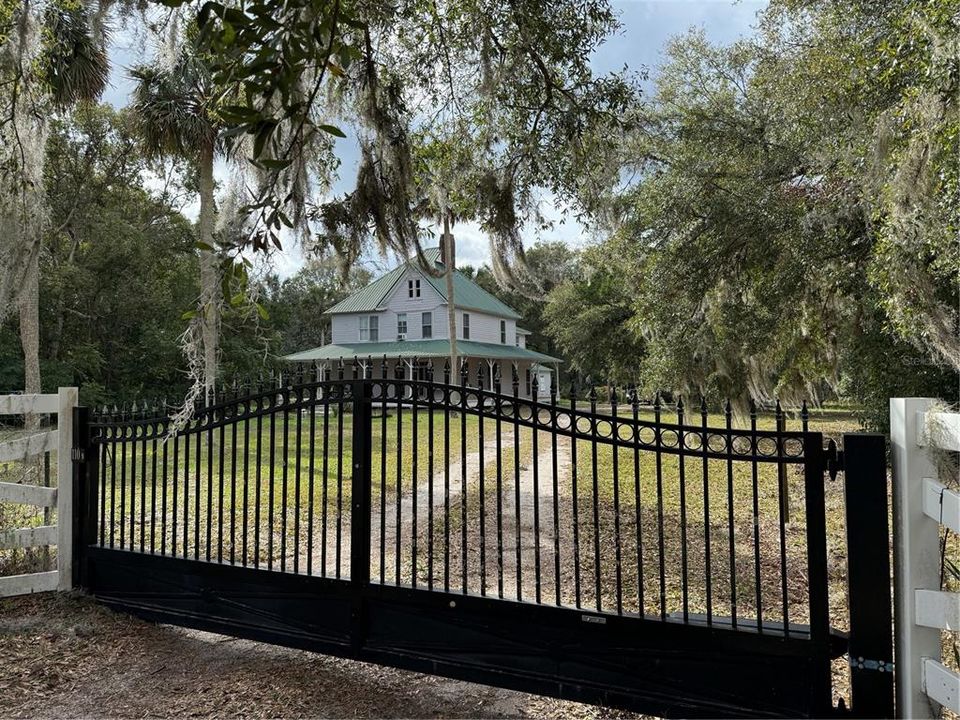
814, 468
868, 575
361, 503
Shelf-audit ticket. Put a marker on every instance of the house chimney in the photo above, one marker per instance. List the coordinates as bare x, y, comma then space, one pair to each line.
448, 246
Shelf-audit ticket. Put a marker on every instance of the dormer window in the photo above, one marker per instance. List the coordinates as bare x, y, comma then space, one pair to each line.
503, 332
413, 288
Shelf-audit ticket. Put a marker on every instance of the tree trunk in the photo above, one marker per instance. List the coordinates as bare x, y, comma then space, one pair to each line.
448, 268
29, 307
54, 349
209, 276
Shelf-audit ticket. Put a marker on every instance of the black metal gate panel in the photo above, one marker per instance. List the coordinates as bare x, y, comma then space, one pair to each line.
595, 550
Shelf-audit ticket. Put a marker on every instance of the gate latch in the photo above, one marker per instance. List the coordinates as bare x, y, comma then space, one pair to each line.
860, 663
834, 458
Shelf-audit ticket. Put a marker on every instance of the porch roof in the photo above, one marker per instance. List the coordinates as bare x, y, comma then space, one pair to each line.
419, 349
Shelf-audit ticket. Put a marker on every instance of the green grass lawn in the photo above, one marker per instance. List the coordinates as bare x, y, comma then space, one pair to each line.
290, 471
702, 521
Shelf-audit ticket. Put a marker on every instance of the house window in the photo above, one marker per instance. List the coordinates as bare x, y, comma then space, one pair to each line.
466, 326
503, 332
369, 328
421, 370
426, 327
413, 288
401, 326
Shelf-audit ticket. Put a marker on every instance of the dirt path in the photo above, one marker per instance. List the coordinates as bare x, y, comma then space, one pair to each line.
536, 521
67, 657
410, 515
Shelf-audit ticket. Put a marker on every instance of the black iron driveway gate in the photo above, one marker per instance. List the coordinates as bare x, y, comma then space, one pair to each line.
606, 557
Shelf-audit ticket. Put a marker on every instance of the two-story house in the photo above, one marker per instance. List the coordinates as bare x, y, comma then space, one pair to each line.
403, 316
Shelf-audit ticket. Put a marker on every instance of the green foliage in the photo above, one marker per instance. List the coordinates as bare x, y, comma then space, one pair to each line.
588, 316
296, 304
548, 264
120, 267
792, 220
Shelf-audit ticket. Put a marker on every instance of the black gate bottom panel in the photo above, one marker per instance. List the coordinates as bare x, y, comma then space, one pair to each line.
281, 608
666, 669
663, 668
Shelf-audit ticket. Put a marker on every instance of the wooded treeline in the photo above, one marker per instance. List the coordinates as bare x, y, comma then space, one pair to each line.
773, 218
120, 268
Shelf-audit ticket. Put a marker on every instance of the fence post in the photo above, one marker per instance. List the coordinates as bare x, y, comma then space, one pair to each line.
85, 473
868, 575
361, 500
916, 561
66, 402
818, 581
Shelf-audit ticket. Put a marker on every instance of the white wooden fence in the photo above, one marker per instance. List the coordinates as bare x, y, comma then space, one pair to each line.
60, 497
921, 505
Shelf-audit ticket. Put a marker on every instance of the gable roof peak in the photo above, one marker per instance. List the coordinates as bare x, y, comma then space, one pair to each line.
467, 294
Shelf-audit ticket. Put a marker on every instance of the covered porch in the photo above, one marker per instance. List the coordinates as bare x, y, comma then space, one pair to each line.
421, 359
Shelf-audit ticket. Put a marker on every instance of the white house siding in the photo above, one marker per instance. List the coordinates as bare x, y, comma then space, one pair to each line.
486, 328
400, 302
483, 327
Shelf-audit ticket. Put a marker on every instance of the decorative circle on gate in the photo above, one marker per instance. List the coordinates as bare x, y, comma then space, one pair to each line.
692, 440
793, 447
562, 421
625, 432
767, 447
647, 435
583, 425
525, 412
669, 438
604, 428
716, 443
454, 397
742, 445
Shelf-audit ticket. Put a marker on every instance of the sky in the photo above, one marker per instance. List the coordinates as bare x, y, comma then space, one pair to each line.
647, 25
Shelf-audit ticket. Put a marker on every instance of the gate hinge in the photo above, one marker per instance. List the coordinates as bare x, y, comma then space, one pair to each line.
78, 454
834, 458
860, 663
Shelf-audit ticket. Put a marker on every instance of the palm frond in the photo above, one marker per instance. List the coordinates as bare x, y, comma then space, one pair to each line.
173, 106
76, 64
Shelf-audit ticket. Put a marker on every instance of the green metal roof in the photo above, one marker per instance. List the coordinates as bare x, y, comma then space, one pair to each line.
419, 349
372, 296
467, 294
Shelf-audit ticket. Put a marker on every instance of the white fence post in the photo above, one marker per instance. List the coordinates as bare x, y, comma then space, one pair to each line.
67, 402
62, 405
916, 558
